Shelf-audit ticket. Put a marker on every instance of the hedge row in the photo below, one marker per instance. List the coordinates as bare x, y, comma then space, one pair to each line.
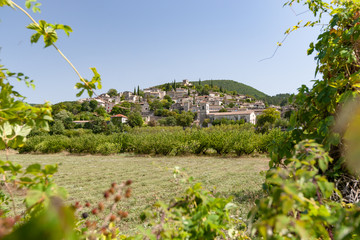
163, 141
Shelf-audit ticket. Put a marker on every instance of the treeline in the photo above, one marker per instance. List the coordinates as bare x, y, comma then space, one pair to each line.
231, 139
278, 100
221, 86
232, 88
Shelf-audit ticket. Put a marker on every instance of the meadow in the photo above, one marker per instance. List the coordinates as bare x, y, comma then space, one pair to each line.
86, 177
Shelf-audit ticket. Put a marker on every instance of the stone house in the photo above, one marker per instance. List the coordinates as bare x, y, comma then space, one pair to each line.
154, 93
186, 83
122, 118
248, 116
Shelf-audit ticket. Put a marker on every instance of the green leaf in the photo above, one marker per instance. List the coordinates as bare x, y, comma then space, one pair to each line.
311, 49
50, 169
23, 130
6, 3
33, 168
26, 180
28, 3
80, 93
6, 129
50, 38
33, 196
36, 8
35, 38
323, 165
33, 26
326, 188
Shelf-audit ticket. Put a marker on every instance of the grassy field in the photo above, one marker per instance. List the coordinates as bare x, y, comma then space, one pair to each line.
86, 177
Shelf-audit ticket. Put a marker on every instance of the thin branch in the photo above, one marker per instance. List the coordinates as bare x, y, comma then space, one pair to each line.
280, 44
70, 64
276, 49
10, 192
298, 14
26, 13
37, 202
57, 49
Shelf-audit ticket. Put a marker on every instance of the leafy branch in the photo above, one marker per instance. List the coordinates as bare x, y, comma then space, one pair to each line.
48, 31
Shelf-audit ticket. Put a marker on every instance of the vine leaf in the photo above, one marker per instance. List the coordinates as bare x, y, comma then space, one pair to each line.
48, 31
90, 86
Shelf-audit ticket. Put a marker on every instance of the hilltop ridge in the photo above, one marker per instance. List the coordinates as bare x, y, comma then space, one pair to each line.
231, 85
225, 85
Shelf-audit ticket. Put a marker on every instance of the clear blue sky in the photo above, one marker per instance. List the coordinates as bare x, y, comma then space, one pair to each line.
145, 43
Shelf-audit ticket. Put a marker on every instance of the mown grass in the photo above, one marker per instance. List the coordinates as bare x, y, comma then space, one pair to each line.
87, 177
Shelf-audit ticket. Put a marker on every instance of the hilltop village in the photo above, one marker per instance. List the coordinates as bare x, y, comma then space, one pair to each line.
156, 103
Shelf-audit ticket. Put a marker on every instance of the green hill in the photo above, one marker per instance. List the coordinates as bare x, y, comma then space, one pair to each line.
231, 85
240, 88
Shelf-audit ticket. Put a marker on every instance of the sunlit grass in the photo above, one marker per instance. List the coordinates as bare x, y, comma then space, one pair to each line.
87, 177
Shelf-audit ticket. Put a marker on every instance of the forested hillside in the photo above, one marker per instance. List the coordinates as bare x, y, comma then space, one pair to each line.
231, 85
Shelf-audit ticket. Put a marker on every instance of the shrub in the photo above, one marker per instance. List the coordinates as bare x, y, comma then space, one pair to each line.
84, 144
270, 139
52, 144
107, 148
143, 144
31, 143
57, 127
220, 140
245, 142
199, 142
223, 139
76, 132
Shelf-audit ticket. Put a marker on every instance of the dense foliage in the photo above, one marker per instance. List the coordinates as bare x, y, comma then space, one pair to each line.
231, 85
235, 139
308, 185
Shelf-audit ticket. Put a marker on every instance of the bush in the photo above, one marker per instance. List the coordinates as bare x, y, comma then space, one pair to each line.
52, 144
37, 132
270, 138
76, 132
163, 143
84, 144
57, 127
245, 142
199, 142
107, 148
220, 140
224, 139
31, 143
143, 144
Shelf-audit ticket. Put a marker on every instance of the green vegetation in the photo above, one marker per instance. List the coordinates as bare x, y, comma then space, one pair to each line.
223, 139
281, 99
269, 119
233, 86
308, 181
112, 92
